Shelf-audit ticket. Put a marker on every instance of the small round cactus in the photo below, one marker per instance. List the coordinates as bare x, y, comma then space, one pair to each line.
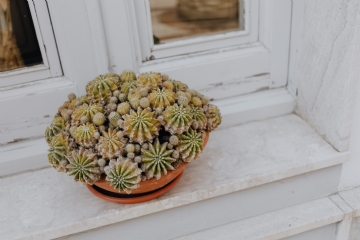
55, 128
83, 166
129, 129
71, 96
99, 119
151, 80
141, 126
127, 86
110, 144
102, 86
178, 119
190, 145
157, 160
127, 76
214, 117
58, 149
161, 98
124, 176
87, 110
84, 135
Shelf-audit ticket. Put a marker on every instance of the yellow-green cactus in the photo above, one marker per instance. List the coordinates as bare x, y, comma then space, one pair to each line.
57, 125
124, 176
157, 160
141, 126
84, 135
161, 98
114, 117
102, 86
190, 145
151, 80
98, 119
177, 118
127, 75
199, 116
179, 86
88, 110
84, 167
110, 145
213, 117
127, 86
57, 152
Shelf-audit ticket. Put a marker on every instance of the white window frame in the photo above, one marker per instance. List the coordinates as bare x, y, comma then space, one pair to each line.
195, 44
51, 65
258, 62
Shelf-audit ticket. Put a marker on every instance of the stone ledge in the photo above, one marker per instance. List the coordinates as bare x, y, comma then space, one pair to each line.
45, 204
276, 225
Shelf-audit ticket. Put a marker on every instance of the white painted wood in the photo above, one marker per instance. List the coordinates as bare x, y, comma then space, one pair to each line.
329, 68
196, 44
26, 114
343, 228
265, 152
51, 65
295, 45
257, 106
276, 225
208, 72
121, 35
280, 39
98, 35
221, 210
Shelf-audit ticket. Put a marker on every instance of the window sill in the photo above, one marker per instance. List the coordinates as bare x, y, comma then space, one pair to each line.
44, 204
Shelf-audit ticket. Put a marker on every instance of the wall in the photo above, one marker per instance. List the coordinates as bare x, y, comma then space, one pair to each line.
329, 68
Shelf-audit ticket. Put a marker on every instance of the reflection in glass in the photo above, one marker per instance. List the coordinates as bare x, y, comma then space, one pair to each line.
19, 46
181, 19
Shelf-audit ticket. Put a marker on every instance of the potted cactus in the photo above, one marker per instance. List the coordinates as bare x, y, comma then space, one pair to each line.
129, 138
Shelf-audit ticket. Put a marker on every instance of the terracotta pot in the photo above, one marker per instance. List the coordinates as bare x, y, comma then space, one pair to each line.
148, 190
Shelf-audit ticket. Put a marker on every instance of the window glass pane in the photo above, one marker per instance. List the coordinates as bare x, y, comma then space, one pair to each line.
182, 19
19, 46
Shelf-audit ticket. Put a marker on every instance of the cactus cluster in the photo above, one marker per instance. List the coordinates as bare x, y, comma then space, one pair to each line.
129, 129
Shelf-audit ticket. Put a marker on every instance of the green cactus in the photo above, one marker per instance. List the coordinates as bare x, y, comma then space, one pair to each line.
88, 110
157, 160
127, 86
161, 98
114, 117
124, 176
190, 145
151, 80
102, 86
110, 145
199, 116
141, 126
57, 152
179, 86
57, 125
84, 166
127, 76
177, 118
99, 119
213, 117
84, 135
